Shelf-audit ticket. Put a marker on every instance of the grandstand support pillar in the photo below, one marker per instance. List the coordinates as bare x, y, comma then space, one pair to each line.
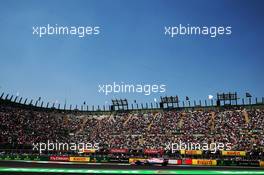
36, 103
262, 100
137, 106
151, 105
6, 96
2, 95
132, 107
11, 97
205, 103
189, 103
15, 99
212, 102
243, 101
200, 102
256, 100
183, 105
25, 101
147, 105
70, 107
20, 100
142, 107
194, 103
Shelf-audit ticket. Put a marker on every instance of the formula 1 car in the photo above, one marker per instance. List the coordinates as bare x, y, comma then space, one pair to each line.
151, 161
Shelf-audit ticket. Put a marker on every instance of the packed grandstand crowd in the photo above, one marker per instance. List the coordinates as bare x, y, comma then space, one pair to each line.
242, 127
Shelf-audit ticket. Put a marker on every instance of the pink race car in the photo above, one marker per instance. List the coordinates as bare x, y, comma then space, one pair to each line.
151, 161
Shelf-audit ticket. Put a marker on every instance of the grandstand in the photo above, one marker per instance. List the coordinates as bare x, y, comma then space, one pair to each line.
124, 136
134, 133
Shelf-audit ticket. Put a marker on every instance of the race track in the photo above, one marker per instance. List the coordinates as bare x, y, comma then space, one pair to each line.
47, 167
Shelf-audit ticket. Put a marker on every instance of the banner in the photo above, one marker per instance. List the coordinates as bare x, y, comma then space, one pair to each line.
191, 152
79, 159
234, 153
204, 162
87, 150
59, 158
116, 150
153, 151
135, 159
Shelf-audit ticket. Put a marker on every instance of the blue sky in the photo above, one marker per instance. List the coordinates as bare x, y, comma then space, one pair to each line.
131, 48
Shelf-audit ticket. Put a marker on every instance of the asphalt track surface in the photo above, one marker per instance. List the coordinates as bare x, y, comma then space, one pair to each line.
50, 168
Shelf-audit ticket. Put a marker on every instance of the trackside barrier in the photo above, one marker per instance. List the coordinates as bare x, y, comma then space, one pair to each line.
24, 157
119, 160
187, 161
135, 159
204, 162
261, 163
238, 163
59, 158
79, 159
175, 162
99, 159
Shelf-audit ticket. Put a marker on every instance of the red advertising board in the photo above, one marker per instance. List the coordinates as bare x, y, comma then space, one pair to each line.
59, 158
117, 150
153, 151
